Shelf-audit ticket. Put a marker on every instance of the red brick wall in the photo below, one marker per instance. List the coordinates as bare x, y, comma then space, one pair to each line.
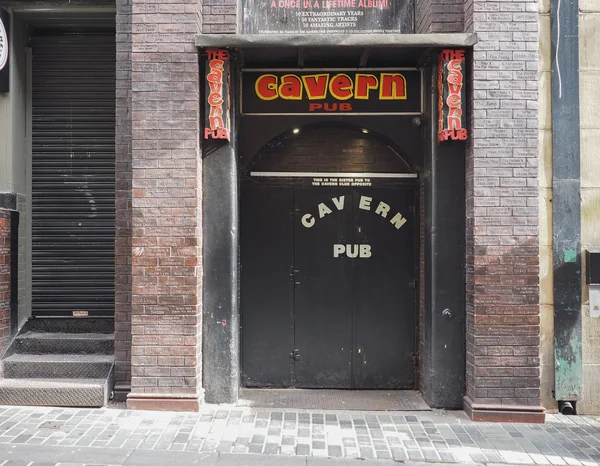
4, 279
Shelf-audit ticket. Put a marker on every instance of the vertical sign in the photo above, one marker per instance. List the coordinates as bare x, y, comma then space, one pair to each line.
217, 124
4, 33
451, 104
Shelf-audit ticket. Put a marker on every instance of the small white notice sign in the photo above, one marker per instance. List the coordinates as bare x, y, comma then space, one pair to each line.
594, 300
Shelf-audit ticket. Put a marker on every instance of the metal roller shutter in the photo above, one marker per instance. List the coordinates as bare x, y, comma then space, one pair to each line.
73, 175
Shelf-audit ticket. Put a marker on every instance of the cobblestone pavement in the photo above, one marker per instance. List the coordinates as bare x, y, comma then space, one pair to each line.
229, 435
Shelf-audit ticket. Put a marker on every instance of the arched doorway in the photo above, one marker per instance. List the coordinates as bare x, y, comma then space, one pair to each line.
328, 255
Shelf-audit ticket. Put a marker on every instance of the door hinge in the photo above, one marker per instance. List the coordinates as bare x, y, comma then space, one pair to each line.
412, 209
294, 356
412, 284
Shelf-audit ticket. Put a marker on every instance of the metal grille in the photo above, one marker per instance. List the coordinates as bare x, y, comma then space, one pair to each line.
54, 392
73, 175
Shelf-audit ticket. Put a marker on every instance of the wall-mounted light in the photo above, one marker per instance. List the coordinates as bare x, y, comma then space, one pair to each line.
366, 131
296, 130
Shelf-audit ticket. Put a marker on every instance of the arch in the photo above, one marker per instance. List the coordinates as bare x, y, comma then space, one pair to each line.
329, 148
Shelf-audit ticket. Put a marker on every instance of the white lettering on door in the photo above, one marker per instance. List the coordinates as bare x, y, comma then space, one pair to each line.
398, 220
308, 220
338, 249
352, 251
365, 250
323, 210
339, 202
365, 203
382, 209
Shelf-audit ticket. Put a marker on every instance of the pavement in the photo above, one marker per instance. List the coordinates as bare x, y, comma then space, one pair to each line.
235, 436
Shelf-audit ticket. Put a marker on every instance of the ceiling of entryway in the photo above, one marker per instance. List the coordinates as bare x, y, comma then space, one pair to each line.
72, 16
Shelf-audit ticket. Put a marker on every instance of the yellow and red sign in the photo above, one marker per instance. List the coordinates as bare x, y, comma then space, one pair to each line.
280, 92
451, 103
217, 123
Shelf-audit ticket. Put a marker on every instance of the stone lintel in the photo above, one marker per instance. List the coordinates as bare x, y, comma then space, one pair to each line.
336, 40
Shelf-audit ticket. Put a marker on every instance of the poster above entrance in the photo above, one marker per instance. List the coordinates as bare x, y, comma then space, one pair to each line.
327, 16
372, 91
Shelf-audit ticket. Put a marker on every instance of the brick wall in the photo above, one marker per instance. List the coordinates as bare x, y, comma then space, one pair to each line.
165, 218
503, 332
123, 197
5, 282
221, 16
422, 309
439, 16
328, 149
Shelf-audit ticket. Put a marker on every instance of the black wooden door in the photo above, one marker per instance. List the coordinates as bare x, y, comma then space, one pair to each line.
328, 295
384, 290
323, 289
267, 244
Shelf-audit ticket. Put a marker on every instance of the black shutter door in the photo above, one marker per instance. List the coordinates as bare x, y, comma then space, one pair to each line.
73, 175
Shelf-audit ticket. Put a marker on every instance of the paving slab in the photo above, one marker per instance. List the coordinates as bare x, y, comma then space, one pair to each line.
84, 455
153, 457
231, 459
238, 436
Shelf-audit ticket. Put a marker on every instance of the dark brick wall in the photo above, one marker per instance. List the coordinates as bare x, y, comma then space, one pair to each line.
158, 219
123, 195
328, 149
439, 16
5, 281
503, 332
221, 16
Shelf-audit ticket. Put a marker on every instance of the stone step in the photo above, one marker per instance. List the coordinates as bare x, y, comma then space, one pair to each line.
55, 392
69, 325
57, 366
64, 343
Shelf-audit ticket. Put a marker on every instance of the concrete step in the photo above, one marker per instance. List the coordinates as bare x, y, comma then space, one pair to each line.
55, 392
64, 343
57, 366
69, 325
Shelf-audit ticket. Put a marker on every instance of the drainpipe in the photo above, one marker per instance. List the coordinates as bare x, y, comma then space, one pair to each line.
566, 203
